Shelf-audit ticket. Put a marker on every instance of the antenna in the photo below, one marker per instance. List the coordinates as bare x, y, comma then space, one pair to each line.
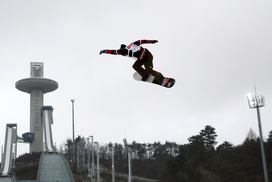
255, 88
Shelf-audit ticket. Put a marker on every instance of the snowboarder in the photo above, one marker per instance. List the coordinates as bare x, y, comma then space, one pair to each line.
142, 56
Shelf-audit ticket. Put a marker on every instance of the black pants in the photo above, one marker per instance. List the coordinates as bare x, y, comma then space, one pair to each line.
148, 64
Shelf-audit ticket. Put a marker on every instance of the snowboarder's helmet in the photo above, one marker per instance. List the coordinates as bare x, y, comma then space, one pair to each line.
123, 46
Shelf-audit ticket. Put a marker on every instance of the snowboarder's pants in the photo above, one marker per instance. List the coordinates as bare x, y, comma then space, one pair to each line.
148, 64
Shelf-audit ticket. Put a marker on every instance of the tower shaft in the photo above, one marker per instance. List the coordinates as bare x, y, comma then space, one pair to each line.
36, 125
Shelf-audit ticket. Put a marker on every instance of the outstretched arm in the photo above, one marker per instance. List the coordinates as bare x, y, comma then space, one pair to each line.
139, 42
114, 52
106, 51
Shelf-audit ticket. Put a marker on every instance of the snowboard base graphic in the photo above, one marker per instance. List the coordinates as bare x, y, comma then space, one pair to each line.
166, 82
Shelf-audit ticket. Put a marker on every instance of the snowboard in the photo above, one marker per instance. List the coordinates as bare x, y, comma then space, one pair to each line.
167, 82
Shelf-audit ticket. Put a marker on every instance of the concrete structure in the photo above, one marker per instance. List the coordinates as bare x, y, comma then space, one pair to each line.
36, 86
9, 154
54, 167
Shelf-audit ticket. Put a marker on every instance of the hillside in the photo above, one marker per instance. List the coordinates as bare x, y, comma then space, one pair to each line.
198, 160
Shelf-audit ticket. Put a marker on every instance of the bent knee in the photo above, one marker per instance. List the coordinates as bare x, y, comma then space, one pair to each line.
134, 66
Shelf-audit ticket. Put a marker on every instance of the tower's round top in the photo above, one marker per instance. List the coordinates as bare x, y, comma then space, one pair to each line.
36, 83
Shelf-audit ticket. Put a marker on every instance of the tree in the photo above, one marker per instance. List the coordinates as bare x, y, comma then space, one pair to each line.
202, 144
270, 136
133, 148
110, 150
103, 152
196, 148
209, 138
150, 150
251, 135
110, 146
159, 151
171, 148
225, 146
118, 151
141, 150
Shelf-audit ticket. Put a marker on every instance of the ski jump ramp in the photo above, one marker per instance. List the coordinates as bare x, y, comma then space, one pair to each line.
47, 121
10, 146
7, 179
52, 167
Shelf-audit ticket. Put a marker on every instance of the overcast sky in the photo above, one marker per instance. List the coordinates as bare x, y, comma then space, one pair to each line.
216, 51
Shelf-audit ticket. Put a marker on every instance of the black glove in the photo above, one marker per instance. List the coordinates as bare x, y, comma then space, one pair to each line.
102, 51
153, 41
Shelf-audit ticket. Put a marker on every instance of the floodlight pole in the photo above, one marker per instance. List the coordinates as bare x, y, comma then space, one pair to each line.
129, 165
129, 159
112, 166
262, 145
73, 126
257, 101
97, 162
93, 176
88, 163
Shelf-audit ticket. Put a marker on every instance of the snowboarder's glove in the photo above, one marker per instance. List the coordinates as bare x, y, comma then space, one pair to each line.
153, 41
102, 51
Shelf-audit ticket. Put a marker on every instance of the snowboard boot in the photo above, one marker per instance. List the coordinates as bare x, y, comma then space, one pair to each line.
145, 78
158, 81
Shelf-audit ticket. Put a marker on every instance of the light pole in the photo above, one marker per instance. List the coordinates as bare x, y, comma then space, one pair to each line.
129, 162
92, 177
88, 163
73, 126
97, 162
112, 166
257, 101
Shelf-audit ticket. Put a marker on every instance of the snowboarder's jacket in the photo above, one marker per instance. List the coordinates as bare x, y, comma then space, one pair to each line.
133, 50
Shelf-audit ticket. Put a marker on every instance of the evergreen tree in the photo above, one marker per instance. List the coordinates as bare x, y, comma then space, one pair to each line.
225, 146
196, 147
209, 138
270, 136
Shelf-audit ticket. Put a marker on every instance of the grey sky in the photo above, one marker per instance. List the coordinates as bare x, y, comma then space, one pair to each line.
216, 51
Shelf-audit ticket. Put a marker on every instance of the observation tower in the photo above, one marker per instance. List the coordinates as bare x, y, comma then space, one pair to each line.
36, 86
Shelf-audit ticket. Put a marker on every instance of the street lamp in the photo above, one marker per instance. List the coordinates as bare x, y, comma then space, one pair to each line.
88, 163
129, 159
92, 172
97, 161
257, 101
112, 166
73, 126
